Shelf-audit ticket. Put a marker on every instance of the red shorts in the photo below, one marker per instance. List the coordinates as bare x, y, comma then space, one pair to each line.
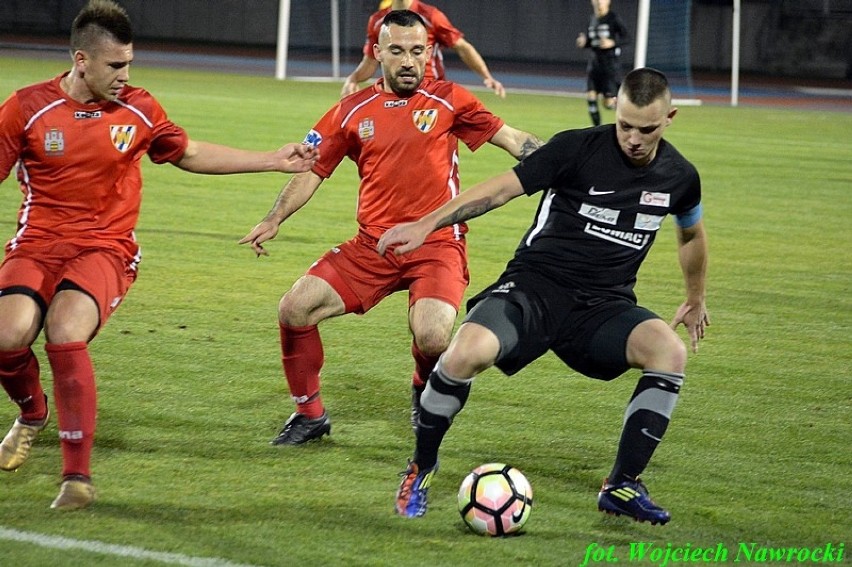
101, 274
436, 270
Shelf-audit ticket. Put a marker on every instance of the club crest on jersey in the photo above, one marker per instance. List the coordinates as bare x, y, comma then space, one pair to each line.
54, 142
313, 139
366, 129
122, 136
425, 120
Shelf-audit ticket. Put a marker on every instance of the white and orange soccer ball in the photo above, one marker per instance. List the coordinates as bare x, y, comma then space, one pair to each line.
495, 500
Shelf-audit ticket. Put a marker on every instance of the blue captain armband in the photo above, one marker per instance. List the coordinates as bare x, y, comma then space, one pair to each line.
690, 217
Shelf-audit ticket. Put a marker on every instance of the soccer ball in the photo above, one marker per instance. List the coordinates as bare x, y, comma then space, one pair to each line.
495, 500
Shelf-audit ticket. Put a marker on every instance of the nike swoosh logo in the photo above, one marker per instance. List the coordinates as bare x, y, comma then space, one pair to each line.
516, 517
648, 434
593, 192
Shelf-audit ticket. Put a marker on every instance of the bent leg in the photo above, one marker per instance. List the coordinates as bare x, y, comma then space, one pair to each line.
431, 322
20, 323
661, 354
310, 301
72, 320
594, 111
473, 349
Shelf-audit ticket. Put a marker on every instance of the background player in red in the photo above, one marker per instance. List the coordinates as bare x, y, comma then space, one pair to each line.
441, 33
77, 140
403, 134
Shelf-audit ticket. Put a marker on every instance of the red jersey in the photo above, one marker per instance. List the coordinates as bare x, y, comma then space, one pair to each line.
79, 164
441, 33
406, 149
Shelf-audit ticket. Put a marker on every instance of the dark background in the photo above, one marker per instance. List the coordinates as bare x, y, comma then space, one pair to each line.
779, 38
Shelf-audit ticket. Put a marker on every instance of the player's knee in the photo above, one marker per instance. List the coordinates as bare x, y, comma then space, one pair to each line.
20, 321
307, 303
291, 311
14, 336
669, 353
61, 330
676, 355
432, 342
469, 354
653, 344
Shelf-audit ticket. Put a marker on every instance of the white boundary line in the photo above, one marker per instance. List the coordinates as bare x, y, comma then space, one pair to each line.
56, 542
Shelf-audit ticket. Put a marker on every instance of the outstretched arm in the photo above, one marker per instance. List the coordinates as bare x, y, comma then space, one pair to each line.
204, 157
517, 142
692, 254
476, 201
293, 197
471, 57
365, 69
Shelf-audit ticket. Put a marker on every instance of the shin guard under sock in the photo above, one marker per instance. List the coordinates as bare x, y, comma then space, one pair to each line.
423, 366
645, 422
75, 397
302, 357
443, 398
19, 376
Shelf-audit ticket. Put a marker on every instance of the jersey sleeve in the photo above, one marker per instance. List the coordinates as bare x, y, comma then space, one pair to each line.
11, 134
474, 124
373, 25
620, 33
688, 205
168, 140
551, 162
446, 33
329, 136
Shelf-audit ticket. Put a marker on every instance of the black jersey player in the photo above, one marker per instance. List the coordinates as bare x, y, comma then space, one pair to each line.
606, 35
569, 287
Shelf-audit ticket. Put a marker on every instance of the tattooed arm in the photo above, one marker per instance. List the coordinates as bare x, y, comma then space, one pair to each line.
518, 143
476, 201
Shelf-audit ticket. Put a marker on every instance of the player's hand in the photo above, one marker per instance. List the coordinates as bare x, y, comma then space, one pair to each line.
403, 238
296, 158
695, 318
607, 43
495, 86
581, 40
263, 231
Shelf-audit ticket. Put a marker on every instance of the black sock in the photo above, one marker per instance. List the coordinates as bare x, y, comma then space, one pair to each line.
443, 398
594, 112
645, 422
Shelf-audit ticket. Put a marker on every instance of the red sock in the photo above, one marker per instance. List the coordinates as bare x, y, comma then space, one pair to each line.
423, 366
19, 376
76, 402
302, 357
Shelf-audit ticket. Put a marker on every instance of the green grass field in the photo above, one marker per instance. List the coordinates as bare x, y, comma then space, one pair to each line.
191, 390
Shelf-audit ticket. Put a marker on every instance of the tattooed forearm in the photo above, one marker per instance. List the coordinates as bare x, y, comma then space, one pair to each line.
531, 144
467, 211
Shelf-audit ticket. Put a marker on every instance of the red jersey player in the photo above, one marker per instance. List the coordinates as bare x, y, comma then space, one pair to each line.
403, 134
440, 33
77, 141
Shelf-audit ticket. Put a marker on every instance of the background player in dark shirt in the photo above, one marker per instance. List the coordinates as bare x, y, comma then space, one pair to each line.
569, 287
607, 35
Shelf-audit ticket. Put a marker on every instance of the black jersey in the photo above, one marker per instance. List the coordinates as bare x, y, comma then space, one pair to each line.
599, 214
608, 26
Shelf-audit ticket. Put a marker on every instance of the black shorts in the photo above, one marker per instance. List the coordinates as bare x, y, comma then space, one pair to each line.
604, 76
531, 315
